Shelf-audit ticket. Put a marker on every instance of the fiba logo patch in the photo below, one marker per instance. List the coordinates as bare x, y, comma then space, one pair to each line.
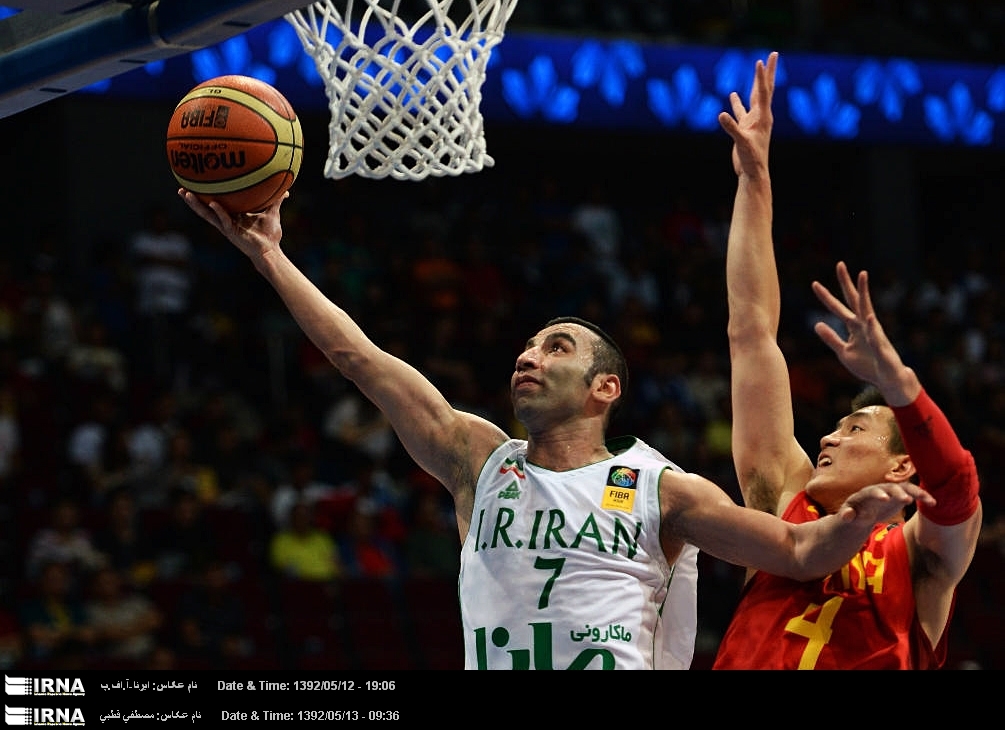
619, 492
43, 686
622, 476
43, 715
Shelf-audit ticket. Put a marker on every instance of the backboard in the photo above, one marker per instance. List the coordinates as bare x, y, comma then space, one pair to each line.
52, 47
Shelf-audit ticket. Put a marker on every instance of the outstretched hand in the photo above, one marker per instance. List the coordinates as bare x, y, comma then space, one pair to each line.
882, 502
751, 129
255, 234
867, 353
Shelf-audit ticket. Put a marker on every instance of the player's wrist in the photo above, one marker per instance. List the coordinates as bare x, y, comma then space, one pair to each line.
902, 389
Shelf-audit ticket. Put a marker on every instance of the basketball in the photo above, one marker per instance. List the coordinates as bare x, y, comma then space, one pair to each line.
236, 140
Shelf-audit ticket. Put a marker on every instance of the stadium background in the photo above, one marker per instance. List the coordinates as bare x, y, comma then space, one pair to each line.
85, 170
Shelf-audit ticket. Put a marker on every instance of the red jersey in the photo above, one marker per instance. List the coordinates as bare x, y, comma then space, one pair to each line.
861, 617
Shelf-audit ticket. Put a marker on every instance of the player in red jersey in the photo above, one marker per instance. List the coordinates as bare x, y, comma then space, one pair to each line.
891, 605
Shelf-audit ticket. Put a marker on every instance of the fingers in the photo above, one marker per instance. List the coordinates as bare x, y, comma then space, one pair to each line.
919, 494
835, 305
729, 124
739, 110
846, 513
865, 308
761, 92
886, 499
190, 200
772, 65
195, 203
829, 337
757, 85
200, 208
847, 285
856, 294
903, 492
212, 212
869, 503
764, 81
274, 208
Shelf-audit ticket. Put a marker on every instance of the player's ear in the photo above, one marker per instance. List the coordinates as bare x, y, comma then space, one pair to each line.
607, 387
902, 469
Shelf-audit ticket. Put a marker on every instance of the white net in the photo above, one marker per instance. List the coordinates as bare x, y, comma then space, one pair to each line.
404, 94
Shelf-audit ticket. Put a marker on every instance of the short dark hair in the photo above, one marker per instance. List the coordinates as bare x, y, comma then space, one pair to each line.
607, 356
870, 396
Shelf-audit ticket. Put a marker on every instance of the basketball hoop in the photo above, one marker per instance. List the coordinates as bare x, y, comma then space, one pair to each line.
403, 93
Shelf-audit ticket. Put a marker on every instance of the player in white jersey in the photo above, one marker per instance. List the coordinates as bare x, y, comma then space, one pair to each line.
564, 570
565, 386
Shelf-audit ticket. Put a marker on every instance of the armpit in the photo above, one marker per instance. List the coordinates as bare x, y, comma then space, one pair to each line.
760, 494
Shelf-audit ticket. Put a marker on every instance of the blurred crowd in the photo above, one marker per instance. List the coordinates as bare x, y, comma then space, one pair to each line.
177, 460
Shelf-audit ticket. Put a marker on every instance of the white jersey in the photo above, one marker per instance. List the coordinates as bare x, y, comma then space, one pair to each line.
564, 570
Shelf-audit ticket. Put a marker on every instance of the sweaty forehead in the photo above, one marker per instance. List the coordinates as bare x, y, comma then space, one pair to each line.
576, 333
866, 413
872, 411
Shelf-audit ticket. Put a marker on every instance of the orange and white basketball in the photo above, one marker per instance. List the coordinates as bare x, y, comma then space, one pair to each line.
236, 140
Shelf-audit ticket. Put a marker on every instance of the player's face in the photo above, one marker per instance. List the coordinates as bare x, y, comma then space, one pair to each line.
854, 455
549, 384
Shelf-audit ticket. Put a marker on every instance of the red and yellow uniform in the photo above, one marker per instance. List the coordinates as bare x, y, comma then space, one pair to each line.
861, 617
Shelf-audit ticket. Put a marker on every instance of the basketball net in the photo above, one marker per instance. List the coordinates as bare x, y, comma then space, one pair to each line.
404, 95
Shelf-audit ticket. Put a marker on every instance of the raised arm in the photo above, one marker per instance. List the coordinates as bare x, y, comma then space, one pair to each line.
450, 445
769, 461
941, 539
698, 512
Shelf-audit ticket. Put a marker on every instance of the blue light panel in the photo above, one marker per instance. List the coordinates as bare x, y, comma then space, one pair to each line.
620, 84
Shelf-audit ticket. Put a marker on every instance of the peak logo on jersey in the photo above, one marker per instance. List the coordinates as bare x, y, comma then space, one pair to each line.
510, 492
515, 466
43, 686
619, 493
43, 715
